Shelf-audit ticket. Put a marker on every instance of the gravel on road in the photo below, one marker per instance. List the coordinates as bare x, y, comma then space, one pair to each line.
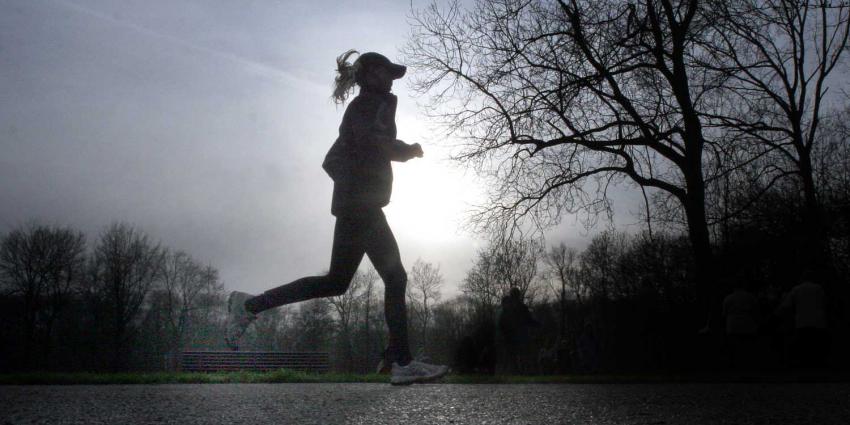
427, 404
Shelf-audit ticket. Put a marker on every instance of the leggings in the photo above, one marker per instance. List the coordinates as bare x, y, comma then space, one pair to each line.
355, 235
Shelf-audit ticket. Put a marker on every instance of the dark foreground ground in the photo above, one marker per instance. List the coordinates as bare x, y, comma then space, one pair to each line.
427, 404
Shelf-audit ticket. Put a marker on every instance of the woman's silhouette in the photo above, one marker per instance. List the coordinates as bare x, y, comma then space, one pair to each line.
359, 164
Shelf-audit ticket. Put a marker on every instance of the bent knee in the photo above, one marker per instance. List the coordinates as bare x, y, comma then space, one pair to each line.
336, 285
338, 290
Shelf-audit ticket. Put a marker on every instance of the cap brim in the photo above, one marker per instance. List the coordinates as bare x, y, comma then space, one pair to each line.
397, 71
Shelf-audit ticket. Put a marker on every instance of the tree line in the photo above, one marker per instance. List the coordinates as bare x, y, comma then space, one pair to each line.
126, 302
67, 305
625, 302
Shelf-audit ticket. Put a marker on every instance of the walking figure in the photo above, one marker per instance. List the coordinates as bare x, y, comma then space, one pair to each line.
359, 164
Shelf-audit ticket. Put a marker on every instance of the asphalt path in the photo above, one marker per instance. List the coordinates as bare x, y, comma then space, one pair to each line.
427, 404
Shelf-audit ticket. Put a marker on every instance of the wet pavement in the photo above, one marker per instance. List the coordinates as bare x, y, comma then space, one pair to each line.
427, 404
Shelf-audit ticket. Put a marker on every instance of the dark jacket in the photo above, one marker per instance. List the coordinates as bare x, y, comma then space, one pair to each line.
359, 160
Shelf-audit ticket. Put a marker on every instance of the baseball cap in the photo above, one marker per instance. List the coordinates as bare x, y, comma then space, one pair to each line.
372, 59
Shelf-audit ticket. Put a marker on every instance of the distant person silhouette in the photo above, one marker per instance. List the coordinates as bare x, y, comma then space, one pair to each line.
740, 310
515, 322
359, 164
807, 302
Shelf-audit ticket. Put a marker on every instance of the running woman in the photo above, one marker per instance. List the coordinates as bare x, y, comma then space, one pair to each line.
359, 164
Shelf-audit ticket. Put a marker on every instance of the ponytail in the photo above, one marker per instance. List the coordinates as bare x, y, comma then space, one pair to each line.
346, 76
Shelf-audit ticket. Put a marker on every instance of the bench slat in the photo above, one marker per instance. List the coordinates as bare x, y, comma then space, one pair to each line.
212, 361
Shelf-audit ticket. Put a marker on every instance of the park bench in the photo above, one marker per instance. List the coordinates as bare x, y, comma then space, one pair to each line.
257, 361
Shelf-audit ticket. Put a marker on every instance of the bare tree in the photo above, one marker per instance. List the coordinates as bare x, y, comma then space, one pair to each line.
370, 276
452, 322
561, 263
42, 265
125, 267
423, 291
832, 157
553, 98
346, 306
314, 325
500, 267
272, 330
780, 56
185, 283
600, 265
832, 164
482, 284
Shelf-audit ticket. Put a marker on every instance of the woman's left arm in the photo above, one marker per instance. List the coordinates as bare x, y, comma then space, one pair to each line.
393, 148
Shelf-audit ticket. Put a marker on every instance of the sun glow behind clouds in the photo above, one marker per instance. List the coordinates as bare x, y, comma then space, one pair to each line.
431, 195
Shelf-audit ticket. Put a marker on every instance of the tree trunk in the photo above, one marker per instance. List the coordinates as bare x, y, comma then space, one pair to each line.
817, 246
563, 322
29, 340
694, 198
118, 345
368, 331
707, 292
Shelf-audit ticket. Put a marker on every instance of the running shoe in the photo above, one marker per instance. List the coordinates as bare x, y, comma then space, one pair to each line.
416, 372
238, 318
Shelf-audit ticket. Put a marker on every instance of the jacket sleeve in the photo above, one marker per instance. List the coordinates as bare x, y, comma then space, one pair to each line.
372, 125
396, 150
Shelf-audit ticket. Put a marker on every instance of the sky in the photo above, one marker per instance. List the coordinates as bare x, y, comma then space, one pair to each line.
204, 123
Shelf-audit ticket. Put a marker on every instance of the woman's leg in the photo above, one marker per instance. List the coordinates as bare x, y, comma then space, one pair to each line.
348, 249
382, 249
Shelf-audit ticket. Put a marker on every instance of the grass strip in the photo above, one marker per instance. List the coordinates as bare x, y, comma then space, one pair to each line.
277, 376
291, 376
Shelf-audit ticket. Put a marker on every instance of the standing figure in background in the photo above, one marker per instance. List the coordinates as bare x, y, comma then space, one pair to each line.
740, 310
515, 323
359, 164
810, 344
